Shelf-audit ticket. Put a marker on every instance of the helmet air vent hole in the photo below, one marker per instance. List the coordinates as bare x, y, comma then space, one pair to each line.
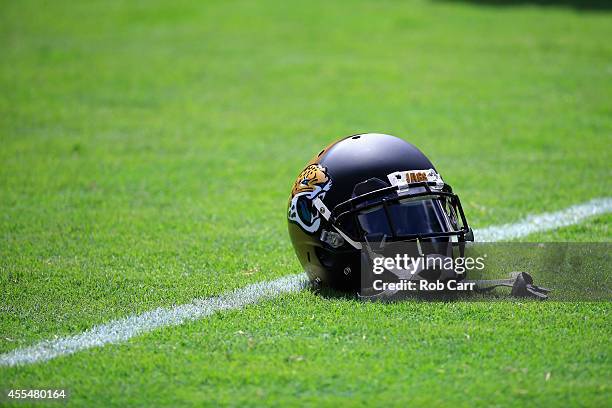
320, 153
308, 255
356, 137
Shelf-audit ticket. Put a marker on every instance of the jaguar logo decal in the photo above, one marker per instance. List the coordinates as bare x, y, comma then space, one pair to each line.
312, 182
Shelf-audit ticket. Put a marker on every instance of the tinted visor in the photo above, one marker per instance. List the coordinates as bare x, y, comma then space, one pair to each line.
408, 218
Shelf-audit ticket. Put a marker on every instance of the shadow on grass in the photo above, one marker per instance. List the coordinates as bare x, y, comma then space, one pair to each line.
328, 293
501, 294
596, 5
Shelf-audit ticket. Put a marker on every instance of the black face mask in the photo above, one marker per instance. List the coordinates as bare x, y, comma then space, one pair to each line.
403, 219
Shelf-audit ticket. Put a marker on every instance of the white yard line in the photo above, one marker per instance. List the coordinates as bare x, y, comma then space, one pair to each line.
545, 222
121, 330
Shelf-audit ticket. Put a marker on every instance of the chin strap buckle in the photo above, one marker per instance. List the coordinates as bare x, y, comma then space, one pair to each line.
524, 287
332, 239
520, 282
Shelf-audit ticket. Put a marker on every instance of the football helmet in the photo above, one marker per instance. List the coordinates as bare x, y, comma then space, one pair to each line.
365, 189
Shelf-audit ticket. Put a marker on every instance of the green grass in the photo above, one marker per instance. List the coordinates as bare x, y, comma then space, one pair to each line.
147, 151
309, 350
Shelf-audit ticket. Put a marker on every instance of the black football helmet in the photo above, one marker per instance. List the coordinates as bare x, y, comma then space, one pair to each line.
362, 189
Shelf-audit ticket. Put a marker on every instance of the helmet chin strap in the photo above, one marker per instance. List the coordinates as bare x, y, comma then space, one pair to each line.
325, 213
520, 282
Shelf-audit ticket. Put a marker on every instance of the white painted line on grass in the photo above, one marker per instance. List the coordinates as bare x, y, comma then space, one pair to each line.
124, 329
545, 222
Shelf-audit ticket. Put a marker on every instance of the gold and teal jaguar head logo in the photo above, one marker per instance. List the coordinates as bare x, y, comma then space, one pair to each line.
311, 183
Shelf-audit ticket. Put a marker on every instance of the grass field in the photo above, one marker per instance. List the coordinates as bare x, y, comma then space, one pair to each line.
148, 149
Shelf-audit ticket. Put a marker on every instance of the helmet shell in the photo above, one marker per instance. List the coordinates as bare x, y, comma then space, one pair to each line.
332, 176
